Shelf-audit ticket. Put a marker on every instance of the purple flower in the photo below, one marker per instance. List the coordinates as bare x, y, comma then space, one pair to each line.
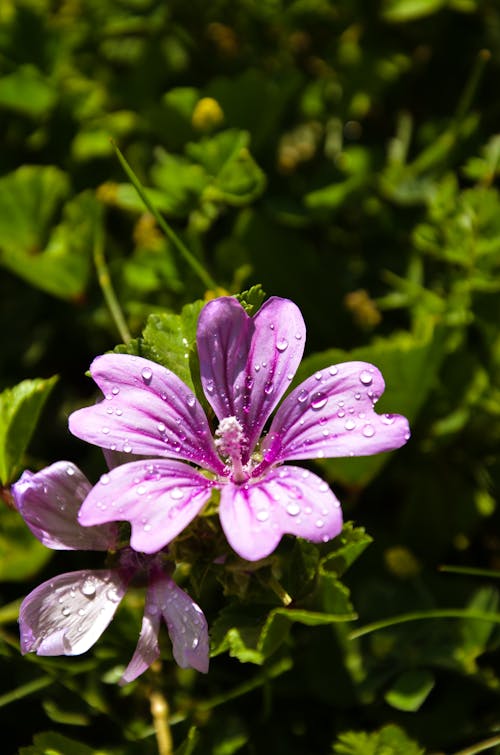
68, 614
246, 364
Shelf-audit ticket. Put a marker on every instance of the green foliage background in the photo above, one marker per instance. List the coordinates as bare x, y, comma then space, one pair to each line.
345, 155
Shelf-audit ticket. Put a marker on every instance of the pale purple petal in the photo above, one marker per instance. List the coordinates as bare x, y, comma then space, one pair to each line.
331, 414
148, 649
49, 501
68, 614
158, 497
185, 621
288, 500
247, 363
147, 411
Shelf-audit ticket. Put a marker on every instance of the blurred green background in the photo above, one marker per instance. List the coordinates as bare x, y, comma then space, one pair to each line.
342, 154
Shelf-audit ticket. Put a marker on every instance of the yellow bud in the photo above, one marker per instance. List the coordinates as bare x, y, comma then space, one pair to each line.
207, 114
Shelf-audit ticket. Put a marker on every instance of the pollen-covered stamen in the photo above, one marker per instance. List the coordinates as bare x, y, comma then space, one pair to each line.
229, 442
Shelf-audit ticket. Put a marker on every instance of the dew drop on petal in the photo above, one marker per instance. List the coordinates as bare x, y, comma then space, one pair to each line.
210, 386
115, 390
350, 424
112, 595
177, 494
341, 413
66, 611
319, 523
127, 448
302, 396
282, 344
387, 419
318, 375
318, 400
105, 430
104, 479
161, 427
333, 370
262, 515
190, 400
365, 377
298, 336
368, 431
268, 388
146, 375
88, 588
293, 509
249, 381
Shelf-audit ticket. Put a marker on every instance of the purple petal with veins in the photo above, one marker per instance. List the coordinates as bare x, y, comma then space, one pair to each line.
288, 500
148, 411
49, 501
331, 415
159, 498
185, 622
247, 363
68, 614
148, 649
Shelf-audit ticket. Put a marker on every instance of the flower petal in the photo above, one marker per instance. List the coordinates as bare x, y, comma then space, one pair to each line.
148, 649
185, 621
49, 501
147, 411
247, 363
331, 415
68, 614
288, 500
158, 497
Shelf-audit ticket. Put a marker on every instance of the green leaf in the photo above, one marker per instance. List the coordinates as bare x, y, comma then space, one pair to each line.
26, 91
390, 740
349, 545
181, 183
170, 340
252, 299
20, 408
21, 554
399, 11
189, 745
252, 633
410, 690
49, 255
53, 743
409, 365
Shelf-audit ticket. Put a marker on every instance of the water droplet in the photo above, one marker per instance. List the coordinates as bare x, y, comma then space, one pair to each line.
302, 396
268, 388
195, 643
350, 425
271, 325
70, 471
127, 448
105, 430
249, 381
161, 427
341, 413
88, 588
365, 377
388, 419
146, 374
293, 509
104, 479
66, 611
333, 370
112, 595
141, 489
256, 367
282, 344
262, 515
190, 400
298, 336
319, 523
318, 375
176, 446
357, 396
147, 527
177, 494
368, 431
209, 386
118, 412
109, 410
318, 400
115, 390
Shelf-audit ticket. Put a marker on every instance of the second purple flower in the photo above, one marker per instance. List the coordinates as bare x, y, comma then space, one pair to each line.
246, 364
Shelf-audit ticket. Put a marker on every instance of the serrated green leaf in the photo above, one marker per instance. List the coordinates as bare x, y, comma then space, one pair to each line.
49, 255
20, 408
252, 300
169, 340
390, 740
349, 545
410, 690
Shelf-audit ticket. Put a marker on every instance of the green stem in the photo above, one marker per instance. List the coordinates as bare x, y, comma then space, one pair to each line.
195, 265
106, 285
160, 714
480, 746
444, 613
472, 84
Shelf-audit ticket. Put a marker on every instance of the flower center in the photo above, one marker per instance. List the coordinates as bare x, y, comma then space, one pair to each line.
229, 442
